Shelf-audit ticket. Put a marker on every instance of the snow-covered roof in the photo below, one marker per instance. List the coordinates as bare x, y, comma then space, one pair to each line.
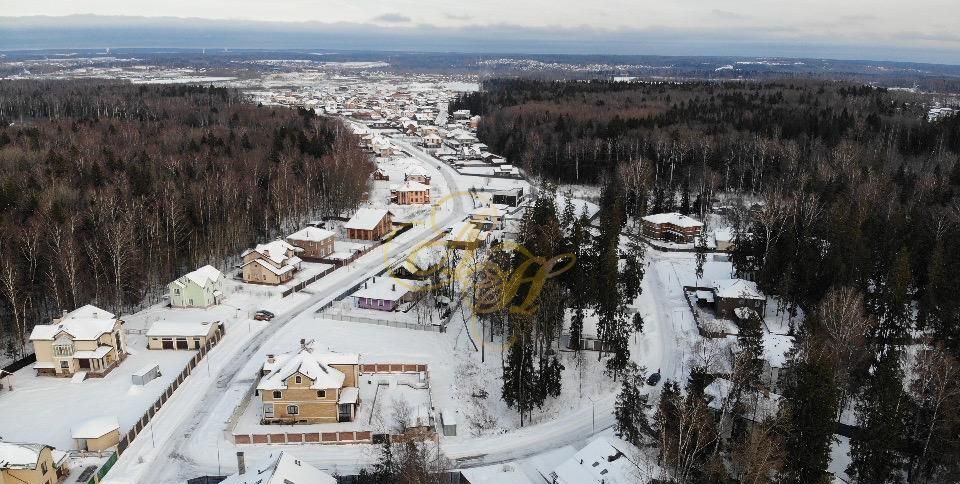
463, 232
416, 170
410, 186
606, 460
276, 251
312, 234
495, 474
290, 266
386, 288
14, 455
672, 218
204, 275
349, 395
180, 328
82, 329
491, 211
96, 428
89, 311
736, 289
324, 356
96, 354
282, 468
366, 219
322, 375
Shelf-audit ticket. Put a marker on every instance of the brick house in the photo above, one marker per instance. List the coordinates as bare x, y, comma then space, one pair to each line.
672, 227
309, 387
410, 193
316, 243
369, 224
730, 294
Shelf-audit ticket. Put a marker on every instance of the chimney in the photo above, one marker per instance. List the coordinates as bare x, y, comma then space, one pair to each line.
303, 343
270, 359
63, 313
241, 465
393, 287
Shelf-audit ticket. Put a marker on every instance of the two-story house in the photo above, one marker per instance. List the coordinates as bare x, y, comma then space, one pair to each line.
410, 193
309, 387
22, 463
201, 288
88, 340
273, 263
316, 243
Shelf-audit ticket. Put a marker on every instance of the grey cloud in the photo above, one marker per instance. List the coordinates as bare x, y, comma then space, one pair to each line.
393, 18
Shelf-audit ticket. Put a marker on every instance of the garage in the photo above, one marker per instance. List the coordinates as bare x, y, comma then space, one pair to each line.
183, 335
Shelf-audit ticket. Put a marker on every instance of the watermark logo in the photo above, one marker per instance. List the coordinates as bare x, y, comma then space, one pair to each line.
474, 273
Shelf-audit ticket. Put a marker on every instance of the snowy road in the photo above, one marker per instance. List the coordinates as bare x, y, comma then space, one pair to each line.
190, 416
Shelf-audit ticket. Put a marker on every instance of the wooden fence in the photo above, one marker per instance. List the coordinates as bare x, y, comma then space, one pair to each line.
141, 424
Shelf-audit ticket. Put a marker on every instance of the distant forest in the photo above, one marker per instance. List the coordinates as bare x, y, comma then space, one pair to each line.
742, 135
845, 206
109, 190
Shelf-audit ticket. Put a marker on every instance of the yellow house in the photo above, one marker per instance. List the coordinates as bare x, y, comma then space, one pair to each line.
309, 387
97, 435
31, 464
272, 263
87, 340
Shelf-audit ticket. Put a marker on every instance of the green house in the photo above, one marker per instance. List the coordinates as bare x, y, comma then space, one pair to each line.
201, 288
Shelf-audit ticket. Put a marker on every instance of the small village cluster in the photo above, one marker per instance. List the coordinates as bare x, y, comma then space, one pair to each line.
315, 394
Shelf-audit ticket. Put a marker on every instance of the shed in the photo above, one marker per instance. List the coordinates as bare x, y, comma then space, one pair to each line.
97, 434
448, 419
145, 375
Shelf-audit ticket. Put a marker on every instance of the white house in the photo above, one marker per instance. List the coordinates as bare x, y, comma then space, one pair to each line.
201, 288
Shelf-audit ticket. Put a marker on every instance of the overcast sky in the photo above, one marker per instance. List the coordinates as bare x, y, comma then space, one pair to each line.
915, 24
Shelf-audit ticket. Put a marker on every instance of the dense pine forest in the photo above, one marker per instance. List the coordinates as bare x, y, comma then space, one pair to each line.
109, 190
845, 205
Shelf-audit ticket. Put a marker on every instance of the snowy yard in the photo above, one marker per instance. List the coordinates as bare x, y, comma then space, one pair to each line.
45, 408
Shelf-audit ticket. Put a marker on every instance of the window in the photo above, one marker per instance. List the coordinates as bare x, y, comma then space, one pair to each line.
64, 365
298, 379
293, 410
277, 394
321, 394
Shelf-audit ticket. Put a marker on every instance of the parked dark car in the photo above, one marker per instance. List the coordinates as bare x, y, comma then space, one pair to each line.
263, 315
654, 378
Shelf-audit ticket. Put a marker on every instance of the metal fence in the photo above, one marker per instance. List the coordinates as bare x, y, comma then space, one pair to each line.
380, 322
141, 424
